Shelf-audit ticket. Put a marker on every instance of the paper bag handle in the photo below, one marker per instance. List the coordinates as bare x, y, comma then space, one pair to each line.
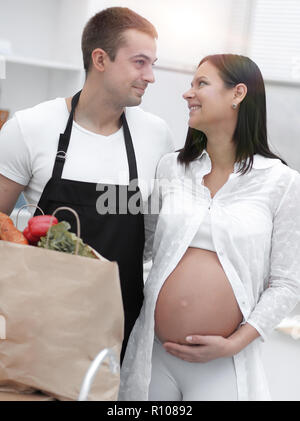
60, 208
78, 226
25, 206
78, 232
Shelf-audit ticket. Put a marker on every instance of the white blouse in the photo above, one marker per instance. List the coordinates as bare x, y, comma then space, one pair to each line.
256, 232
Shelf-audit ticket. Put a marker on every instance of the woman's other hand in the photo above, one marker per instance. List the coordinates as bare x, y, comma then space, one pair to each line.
204, 348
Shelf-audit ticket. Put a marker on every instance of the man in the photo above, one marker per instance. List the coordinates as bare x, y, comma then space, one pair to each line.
70, 152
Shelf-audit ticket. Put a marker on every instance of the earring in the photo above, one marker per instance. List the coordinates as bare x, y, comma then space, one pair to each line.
234, 106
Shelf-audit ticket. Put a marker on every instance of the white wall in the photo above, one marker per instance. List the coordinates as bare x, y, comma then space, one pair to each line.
71, 17
28, 24
186, 31
283, 108
164, 98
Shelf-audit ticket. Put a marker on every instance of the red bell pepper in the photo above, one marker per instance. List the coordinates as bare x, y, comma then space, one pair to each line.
31, 239
38, 227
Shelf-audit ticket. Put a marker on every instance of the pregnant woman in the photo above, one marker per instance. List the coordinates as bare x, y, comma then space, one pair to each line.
226, 266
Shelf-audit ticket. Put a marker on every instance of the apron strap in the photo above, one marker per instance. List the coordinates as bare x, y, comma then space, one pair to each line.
64, 140
133, 175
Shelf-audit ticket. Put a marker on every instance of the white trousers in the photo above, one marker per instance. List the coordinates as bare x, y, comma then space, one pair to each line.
174, 379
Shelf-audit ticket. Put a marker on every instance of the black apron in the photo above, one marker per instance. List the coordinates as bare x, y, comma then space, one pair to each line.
118, 236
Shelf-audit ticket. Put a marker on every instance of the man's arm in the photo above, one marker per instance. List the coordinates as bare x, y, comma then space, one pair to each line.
9, 193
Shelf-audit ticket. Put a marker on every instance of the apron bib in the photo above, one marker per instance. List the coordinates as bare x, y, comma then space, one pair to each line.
118, 235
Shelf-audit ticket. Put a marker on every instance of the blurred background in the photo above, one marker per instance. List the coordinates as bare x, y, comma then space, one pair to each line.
40, 59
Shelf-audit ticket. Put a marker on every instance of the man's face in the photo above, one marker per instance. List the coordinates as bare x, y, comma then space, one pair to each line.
127, 77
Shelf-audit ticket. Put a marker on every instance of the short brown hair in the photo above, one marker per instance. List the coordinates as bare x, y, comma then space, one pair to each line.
105, 30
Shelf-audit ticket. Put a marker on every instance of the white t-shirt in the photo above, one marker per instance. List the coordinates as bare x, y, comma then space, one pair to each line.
203, 237
29, 141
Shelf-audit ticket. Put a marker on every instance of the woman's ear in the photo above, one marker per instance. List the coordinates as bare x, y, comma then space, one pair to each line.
240, 91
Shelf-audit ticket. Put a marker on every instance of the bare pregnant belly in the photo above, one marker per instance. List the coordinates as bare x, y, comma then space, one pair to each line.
196, 298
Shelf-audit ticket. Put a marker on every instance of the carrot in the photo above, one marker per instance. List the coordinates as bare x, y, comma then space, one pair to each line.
8, 232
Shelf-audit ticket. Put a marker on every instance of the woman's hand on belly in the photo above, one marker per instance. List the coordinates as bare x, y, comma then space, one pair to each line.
203, 348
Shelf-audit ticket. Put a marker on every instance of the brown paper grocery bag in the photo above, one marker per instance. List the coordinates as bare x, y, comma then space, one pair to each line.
24, 397
57, 312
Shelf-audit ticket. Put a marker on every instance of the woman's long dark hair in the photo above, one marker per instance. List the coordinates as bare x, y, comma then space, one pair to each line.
250, 136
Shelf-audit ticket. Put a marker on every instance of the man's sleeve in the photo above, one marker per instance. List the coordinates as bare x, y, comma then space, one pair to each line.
14, 153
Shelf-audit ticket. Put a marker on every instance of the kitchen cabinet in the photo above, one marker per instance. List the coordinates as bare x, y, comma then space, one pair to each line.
42, 54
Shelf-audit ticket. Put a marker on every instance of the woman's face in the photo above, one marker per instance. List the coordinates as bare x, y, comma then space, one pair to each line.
209, 101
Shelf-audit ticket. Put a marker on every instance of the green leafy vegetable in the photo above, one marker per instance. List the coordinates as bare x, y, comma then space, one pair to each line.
60, 239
